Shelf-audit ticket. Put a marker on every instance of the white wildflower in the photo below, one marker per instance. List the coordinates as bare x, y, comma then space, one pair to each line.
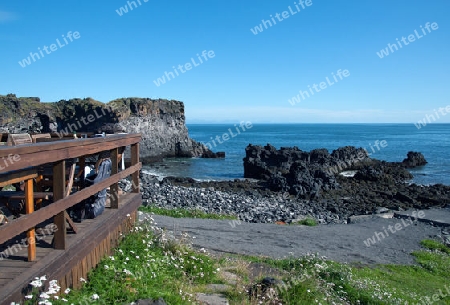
44, 295
36, 283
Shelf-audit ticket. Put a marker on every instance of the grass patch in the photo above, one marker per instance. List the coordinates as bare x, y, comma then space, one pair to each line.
311, 222
314, 280
145, 265
184, 213
435, 245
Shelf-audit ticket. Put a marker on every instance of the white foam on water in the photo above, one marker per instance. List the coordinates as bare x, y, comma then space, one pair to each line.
158, 175
348, 173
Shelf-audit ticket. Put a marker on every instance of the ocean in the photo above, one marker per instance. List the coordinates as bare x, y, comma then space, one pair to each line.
389, 142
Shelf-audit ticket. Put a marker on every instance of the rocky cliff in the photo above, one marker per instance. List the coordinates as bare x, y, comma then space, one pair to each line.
161, 122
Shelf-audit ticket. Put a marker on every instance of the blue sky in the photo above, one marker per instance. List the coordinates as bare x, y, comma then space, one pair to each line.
251, 77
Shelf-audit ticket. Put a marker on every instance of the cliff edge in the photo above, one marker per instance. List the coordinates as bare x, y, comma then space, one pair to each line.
161, 122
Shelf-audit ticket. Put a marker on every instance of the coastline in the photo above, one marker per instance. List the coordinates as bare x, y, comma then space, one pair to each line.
400, 138
376, 188
250, 201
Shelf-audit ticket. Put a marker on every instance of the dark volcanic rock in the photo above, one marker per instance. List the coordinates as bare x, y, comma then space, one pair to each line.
414, 159
213, 155
301, 173
371, 173
314, 176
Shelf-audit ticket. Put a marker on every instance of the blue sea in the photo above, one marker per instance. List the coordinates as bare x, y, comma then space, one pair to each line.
432, 140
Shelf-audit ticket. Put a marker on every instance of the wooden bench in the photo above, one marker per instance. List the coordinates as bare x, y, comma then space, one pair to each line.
19, 139
36, 137
21, 195
7, 196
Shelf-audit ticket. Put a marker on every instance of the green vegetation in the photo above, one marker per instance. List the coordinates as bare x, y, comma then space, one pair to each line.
12, 107
311, 222
435, 245
147, 264
383, 284
184, 213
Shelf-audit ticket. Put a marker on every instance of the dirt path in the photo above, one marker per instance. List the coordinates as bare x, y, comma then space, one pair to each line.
342, 243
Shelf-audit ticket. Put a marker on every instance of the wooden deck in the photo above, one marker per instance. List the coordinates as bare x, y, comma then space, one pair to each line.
95, 239
71, 255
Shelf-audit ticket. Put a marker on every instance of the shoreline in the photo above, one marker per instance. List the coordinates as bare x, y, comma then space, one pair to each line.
161, 176
250, 201
290, 185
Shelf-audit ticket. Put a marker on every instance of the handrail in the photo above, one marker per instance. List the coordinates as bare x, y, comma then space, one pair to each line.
31, 155
25, 222
37, 154
17, 176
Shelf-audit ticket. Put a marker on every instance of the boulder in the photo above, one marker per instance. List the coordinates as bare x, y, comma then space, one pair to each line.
414, 159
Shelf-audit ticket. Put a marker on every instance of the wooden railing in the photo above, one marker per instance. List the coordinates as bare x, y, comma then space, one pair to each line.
21, 163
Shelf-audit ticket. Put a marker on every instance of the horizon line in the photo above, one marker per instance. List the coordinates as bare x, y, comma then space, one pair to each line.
292, 123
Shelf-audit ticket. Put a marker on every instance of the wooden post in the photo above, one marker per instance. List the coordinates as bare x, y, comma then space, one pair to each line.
59, 189
114, 189
134, 161
82, 164
29, 208
39, 180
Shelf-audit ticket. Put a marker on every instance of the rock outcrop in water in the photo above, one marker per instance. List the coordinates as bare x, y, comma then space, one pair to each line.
414, 159
302, 173
310, 175
161, 122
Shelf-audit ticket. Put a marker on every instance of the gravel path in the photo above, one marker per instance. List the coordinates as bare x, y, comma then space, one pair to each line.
339, 242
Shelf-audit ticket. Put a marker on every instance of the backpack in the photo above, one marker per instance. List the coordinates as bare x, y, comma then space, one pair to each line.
95, 205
